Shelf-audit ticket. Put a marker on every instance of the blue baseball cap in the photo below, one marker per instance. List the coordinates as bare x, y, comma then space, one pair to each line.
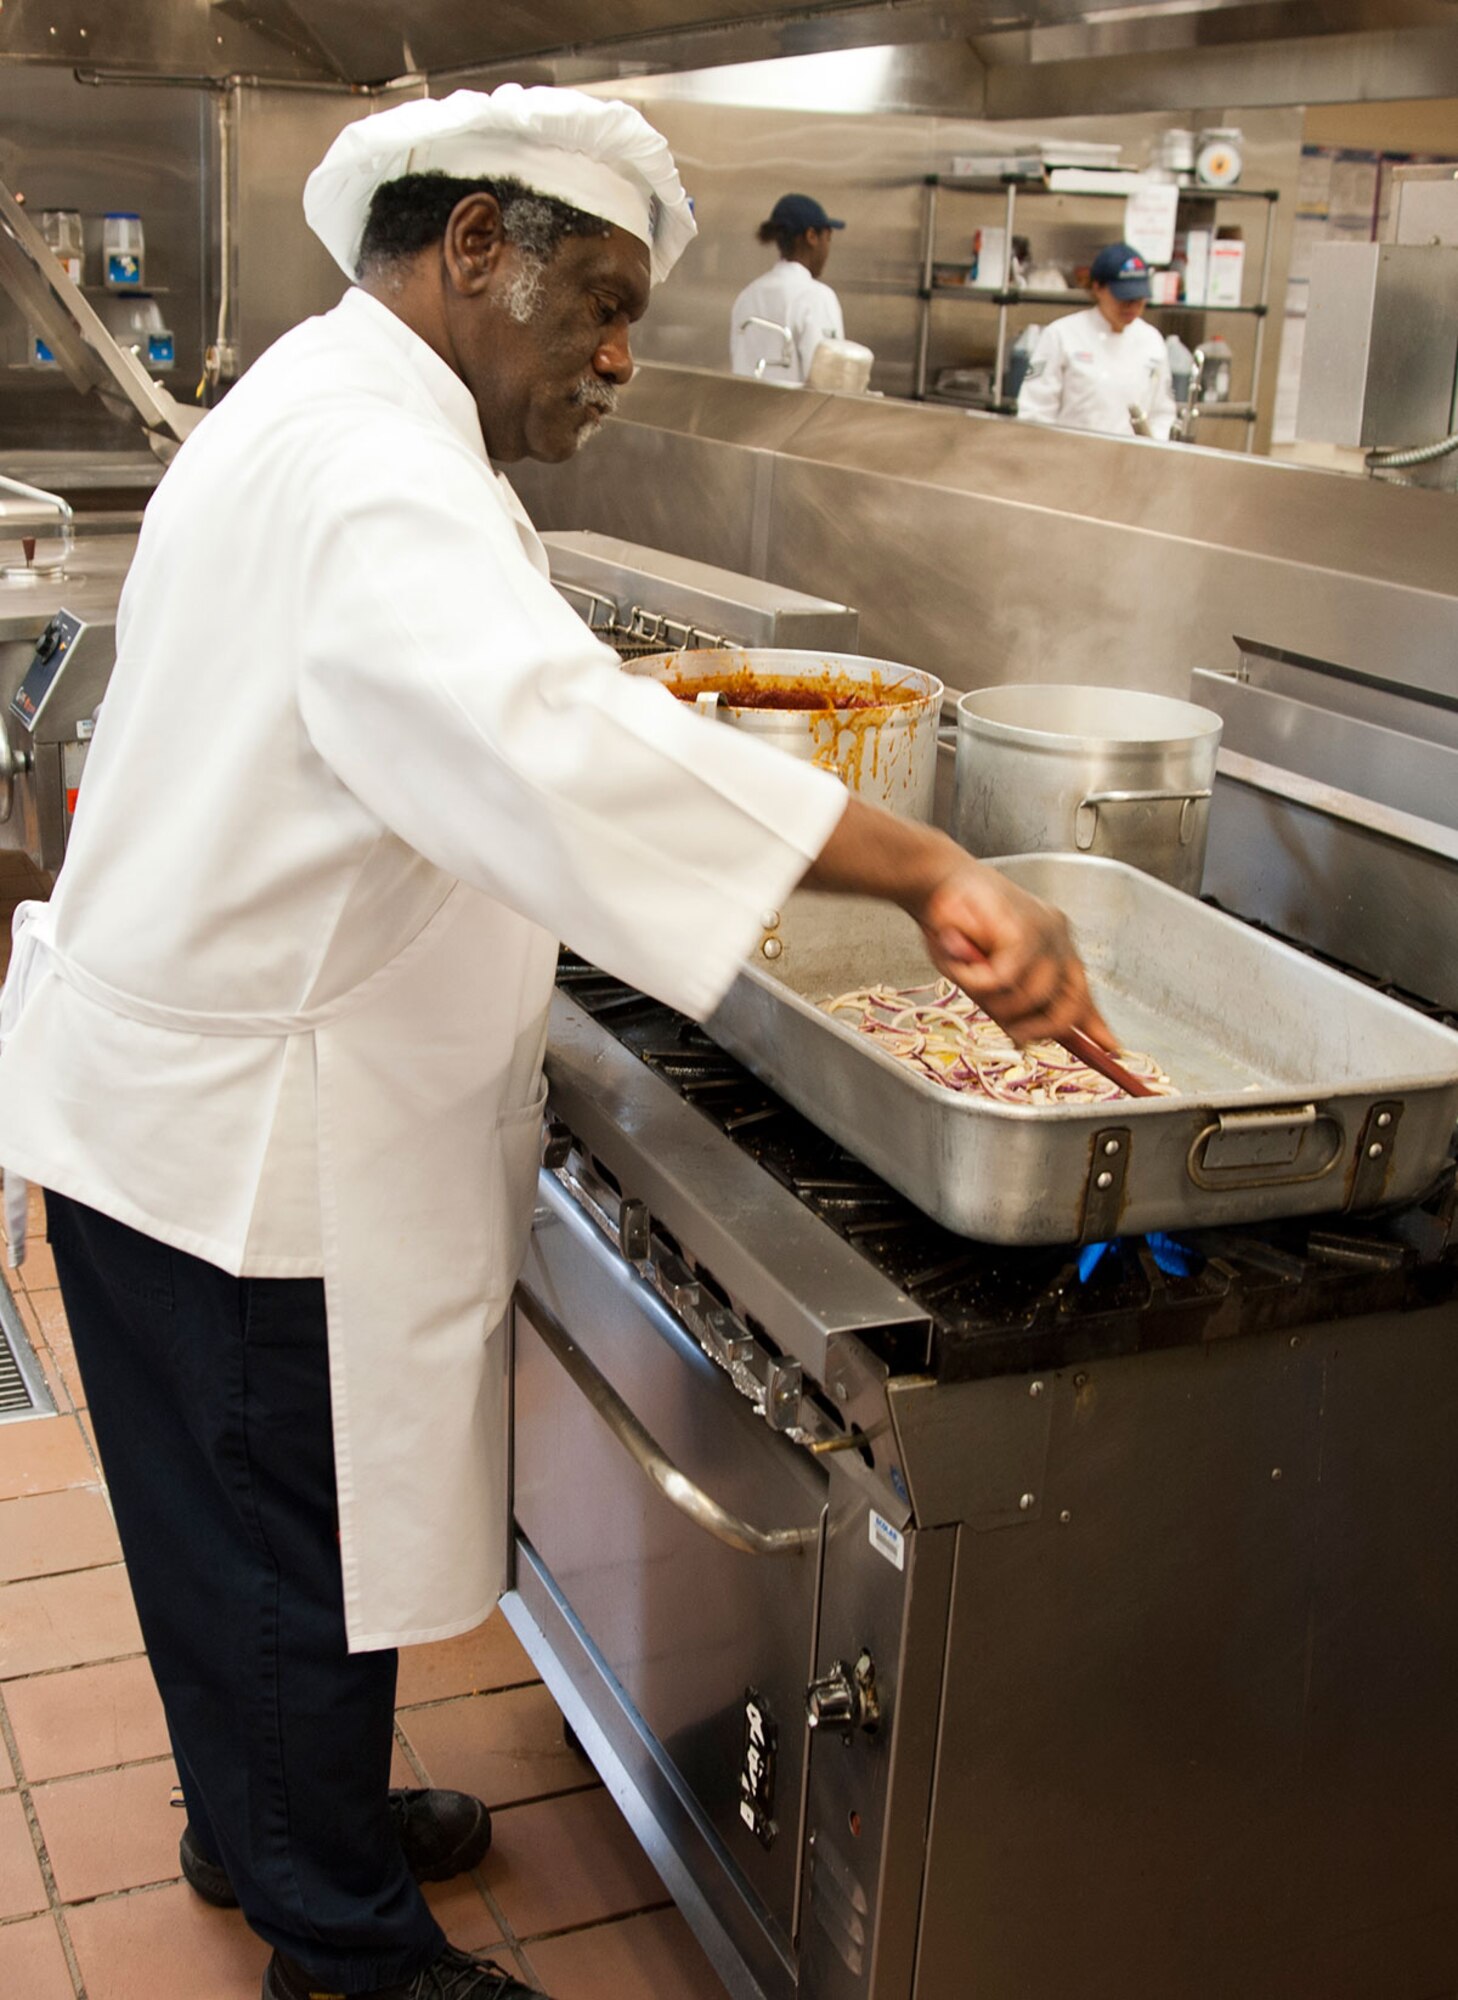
1122, 269
799, 212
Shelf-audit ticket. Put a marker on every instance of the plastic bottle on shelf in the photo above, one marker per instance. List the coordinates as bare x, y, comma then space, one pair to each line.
61, 228
122, 251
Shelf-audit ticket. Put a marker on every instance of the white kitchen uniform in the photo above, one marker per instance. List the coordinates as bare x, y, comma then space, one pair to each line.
1085, 375
358, 768
790, 297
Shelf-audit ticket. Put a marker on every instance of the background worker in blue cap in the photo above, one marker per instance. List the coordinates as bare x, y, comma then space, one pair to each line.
1104, 369
789, 296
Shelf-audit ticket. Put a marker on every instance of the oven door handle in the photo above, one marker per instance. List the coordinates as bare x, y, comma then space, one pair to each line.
675, 1486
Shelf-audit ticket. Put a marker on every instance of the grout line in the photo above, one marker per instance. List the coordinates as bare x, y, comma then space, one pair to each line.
72, 1666
601, 1923
466, 1694
42, 1853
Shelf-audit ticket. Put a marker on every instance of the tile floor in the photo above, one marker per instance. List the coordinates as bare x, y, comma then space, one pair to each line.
91, 1907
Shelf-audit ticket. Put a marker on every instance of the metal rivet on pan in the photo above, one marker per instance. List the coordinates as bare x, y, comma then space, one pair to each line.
772, 947
770, 921
1028, 1500
1383, 1118
1105, 1180
1111, 1146
1275, 1472
1374, 1151
1035, 1388
1065, 1517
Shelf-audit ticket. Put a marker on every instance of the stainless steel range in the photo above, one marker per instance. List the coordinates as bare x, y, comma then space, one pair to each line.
957, 1619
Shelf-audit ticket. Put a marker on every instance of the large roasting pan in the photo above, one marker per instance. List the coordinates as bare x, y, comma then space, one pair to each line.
1302, 1091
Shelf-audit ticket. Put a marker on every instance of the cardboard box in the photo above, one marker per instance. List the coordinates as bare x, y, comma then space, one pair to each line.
1197, 265
1227, 272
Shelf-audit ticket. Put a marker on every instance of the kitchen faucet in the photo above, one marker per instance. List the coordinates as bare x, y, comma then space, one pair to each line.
31, 571
787, 359
1183, 426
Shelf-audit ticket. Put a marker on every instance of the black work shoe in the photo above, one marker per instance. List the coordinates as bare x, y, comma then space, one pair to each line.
442, 1834
455, 1975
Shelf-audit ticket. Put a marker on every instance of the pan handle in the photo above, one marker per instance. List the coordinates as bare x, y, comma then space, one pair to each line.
1086, 819
1254, 1149
675, 1486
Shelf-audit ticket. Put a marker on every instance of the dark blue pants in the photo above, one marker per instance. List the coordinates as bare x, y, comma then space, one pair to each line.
210, 1400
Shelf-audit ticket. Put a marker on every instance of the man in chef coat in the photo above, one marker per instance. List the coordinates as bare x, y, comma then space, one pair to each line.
789, 296
1104, 369
274, 1047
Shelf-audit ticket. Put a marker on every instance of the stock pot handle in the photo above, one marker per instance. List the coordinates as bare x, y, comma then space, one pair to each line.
1086, 819
675, 1486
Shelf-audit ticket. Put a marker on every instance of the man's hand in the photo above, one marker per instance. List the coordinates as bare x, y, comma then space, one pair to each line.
1011, 952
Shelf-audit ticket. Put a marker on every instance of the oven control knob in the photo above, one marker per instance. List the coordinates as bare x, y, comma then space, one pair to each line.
845, 1698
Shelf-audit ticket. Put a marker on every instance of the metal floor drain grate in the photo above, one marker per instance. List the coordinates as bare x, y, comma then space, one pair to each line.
23, 1389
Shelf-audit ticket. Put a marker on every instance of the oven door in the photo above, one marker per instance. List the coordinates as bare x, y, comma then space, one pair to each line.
700, 1652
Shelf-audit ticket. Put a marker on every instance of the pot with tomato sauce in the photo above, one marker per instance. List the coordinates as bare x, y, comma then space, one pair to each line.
872, 722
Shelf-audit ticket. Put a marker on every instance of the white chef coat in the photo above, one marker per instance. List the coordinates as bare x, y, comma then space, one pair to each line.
790, 297
359, 766
1086, 375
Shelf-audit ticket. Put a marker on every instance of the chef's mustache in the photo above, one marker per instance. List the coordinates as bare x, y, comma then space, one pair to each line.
595, 394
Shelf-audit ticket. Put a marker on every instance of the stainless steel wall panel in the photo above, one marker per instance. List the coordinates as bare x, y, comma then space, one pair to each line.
1229, 1643
985, 551
64, 145
712, 522
284, 273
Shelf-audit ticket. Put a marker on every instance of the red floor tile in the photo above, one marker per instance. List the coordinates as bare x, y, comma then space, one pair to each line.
460, 1909
568, 1861
45, 1319
43, 1455
22, 1888
114, 1830
66, 1621
652, 1957
489, 1657
504, 1747
49, 1534
32, 1963
165, 1944
88, 1719
38, 1272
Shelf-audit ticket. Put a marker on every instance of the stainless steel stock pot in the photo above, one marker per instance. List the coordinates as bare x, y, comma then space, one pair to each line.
1089, 770
872, 722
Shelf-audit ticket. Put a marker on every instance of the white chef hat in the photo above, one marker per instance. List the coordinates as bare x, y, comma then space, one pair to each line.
598, 155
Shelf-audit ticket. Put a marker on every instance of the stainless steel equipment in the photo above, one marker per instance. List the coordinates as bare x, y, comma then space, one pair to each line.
1098, 770
85, 351
885, 752
1300, 1090
46, 733
934, 1610
889, 1577
645, 601
1336, 811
